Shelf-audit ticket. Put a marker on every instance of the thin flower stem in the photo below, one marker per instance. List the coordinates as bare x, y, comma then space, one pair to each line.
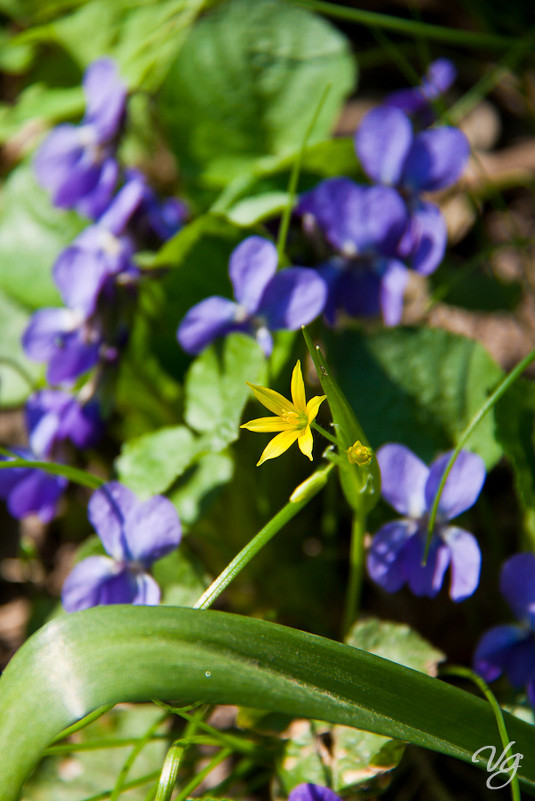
169, 774
356, 568
466, 673
412, 28
149, 777
491, 401
302, 495
202, 774
222, 738
55, 469
136, 750
294, 177
324, 433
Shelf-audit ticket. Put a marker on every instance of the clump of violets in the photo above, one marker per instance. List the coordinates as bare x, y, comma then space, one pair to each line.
53, 418
97, 278
510, 648
76, 163
397, 549
375, 235
266, 300
134, 534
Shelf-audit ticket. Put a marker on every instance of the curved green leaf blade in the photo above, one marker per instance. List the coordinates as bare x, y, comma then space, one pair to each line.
361, 484
104, 655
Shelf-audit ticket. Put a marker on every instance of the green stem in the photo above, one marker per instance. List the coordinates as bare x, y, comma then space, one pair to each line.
169, 773
466, 673
136, 750
72, 473
491, 401
81, 724
301, 496
412, 28
324, 433
222, 738
149, 777
294, 177
202, 774
356, 568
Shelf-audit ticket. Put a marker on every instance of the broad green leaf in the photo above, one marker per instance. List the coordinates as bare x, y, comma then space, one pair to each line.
32, 234
397, 642
245, 84
356, 757
418, 386
150, 463
85, 773
216, 391
14, 388
200, 485
88, 659
361, 483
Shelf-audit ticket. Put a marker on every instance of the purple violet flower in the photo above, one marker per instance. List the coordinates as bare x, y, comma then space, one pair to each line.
391, 154
312, 792
53, 416
396, 552
90, 265
76, 163
135, 534
418, 100
510, 648
267, 300
365, 225
29, 490
64, 339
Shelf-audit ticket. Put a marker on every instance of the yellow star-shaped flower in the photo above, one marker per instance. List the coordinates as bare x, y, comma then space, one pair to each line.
293, 417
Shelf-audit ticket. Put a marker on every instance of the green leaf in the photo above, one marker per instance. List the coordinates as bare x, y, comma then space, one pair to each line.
216, 391
418, 386
149, 464
88, 659
245, 83
32, 234
397, 642
361, 483
14, 387
197, 488
356, 757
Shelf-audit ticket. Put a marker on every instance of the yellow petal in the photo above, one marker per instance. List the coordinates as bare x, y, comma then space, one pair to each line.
298, 388
272, 400
266, 424
278, 445
305, 442
313, 406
